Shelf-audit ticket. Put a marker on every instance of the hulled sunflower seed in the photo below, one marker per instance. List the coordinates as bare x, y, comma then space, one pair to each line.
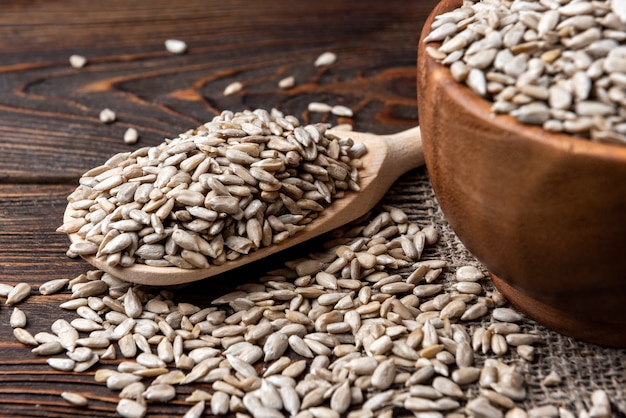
17, 319
219, 403
233, 88
287, 82
175, 46
52, 286
129, 408
18, 293
107, 116
63, 364
326, 58
48, 348
373, 350
24, 336
130, 136
77, 61
74, 398
160, 393
195, 411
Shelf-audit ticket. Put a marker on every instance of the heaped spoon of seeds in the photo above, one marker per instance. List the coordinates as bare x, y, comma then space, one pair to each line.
386, 159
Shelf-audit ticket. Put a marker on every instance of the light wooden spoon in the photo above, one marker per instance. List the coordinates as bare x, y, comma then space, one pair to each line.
387, 158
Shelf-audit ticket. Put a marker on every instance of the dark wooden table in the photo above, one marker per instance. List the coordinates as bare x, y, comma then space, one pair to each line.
50, 132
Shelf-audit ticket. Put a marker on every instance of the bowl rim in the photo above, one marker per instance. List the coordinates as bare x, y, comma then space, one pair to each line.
480, 107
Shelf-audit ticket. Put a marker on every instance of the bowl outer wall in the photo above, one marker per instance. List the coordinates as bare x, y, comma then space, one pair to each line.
546, 213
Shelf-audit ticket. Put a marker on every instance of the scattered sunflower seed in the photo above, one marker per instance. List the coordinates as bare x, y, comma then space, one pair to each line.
326, 58
18, 293
175, 46
306, 340
287, 82
552, 379
131, 136
233, 88
339, 110
77, 61
318, 107
5, 289
18, 318
74, 398
128, 408
107, 116
52, 286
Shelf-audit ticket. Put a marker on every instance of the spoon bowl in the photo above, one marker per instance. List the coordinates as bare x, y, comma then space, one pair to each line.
387, 158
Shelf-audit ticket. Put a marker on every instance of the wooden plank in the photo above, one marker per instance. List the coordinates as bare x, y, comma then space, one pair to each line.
49, 111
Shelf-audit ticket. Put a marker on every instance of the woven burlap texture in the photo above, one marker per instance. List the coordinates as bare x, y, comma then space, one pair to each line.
583, 367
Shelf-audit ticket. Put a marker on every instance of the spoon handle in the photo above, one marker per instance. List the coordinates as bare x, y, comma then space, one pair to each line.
405, 149
390, 156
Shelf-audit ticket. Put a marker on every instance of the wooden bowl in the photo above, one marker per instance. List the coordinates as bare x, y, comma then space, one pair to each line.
545, 213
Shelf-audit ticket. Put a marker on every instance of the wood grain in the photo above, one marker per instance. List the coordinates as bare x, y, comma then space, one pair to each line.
49, 111
50, 132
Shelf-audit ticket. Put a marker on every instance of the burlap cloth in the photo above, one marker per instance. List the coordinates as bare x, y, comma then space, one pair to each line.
583, 367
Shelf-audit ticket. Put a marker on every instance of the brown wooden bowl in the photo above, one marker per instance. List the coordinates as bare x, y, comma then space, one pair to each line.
545, 213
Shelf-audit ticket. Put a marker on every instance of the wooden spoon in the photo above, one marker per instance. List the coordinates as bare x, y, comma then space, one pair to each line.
387, 158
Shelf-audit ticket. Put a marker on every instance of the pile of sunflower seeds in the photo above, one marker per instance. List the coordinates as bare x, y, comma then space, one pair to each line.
242, 181
559, 64
367, 326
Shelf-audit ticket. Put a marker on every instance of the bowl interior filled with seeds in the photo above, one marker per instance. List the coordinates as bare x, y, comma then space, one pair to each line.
522, 107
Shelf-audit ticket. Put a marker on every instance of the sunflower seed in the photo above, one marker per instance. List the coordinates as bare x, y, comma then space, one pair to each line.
175, 46
24, 336
552, 379
133, 391
219, 403
129, 408
107, 116
132, 304
118, 381
447, 387
506, 315
81, 354
339, 110
48, 348
195, 411
324, 59
233, 88
18, 293
63, 364
52, 286
77, 61
130, 136
601, 406
160, 393
384, 374
481, 407
318, 107
74, 398
287, 82
17, 319
544, 411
